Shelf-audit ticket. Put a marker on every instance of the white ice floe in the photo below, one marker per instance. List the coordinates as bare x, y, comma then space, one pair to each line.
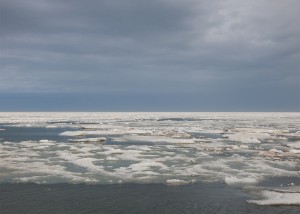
295, 145
146, 165
94, 132
46, 142
154, 139
206, 131
276, 151
176, 182
235, 147
73, 133
295, 151
277, 198
98, 139
237, 181
51, 127
86, 162
240, 147
248, 137
109, 158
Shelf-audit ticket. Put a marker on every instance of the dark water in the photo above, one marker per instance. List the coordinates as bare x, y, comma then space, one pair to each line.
17, 134
129, 198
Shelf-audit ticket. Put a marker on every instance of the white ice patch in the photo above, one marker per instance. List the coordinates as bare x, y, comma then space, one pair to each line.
46, 142
86, 162
73, 133
98, 139
51, 127
176, 182
241, 147
276, 151
154, 139
295, 151
277, 198
248, 137
237, 181
295, 145
146, 165
95, 132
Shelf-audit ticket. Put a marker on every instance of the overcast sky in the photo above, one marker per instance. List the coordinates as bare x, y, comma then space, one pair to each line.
150, 55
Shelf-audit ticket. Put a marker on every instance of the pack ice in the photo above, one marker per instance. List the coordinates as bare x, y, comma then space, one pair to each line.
240, 149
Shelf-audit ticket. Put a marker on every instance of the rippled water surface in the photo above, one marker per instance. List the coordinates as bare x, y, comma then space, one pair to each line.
129, 198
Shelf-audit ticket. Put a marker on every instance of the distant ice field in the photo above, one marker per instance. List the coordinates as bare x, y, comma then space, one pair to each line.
257, 152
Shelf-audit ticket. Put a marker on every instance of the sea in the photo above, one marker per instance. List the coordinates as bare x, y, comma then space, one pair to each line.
149, 162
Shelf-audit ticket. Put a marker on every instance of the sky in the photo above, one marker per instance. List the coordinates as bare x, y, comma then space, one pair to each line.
141, 55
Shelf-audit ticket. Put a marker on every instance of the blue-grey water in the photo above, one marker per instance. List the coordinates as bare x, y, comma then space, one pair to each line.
129, 198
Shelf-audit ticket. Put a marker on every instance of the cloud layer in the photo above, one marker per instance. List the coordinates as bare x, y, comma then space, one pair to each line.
187, 48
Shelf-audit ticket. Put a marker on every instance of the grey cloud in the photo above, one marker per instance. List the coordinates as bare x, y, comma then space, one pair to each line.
118, 18
150, 46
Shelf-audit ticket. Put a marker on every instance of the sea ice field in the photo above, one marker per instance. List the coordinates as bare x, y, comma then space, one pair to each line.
256, 154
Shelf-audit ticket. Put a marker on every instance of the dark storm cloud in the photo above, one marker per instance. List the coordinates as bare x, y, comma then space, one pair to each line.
100, 17
225, 49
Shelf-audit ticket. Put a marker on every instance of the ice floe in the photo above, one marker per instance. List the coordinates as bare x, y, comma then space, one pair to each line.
176, 182
154, 139
236, 181
51, 127
97, 139
277, 197
295, 145
295, 151
248, 137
